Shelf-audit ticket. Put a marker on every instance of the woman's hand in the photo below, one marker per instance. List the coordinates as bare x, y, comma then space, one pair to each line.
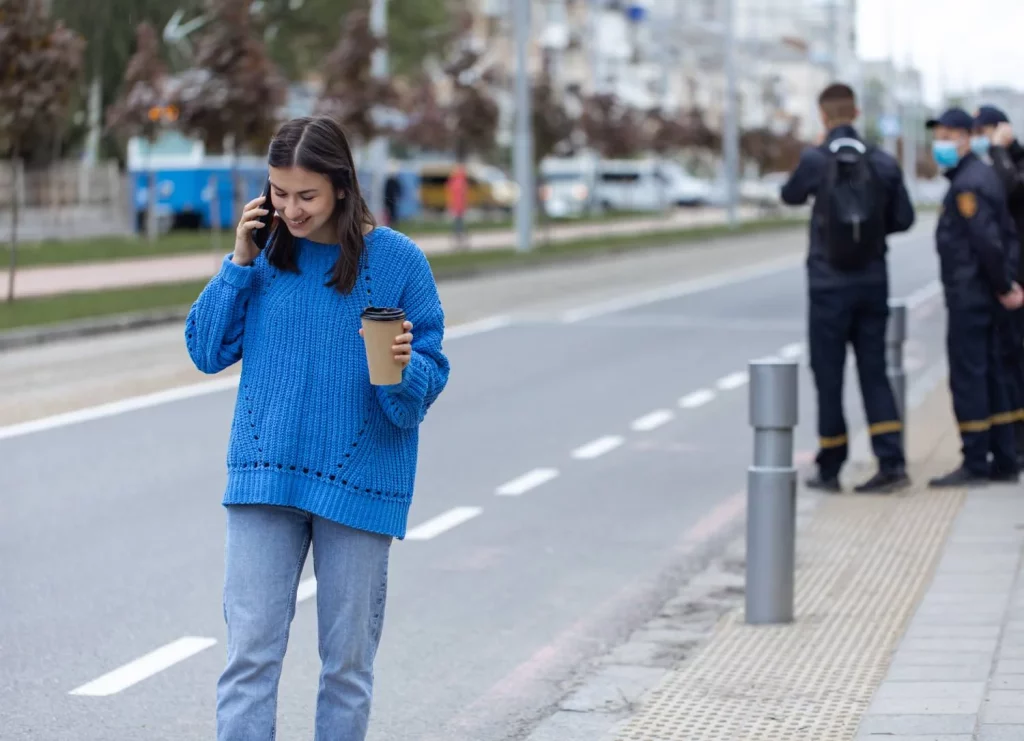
403, 345
253, 217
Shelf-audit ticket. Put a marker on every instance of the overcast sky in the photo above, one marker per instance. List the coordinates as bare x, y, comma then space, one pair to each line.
969, 43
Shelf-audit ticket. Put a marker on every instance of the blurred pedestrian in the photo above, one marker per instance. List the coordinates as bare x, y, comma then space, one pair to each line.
457, 197
976, 240
318, 458
995, 138
392, 197
859, 199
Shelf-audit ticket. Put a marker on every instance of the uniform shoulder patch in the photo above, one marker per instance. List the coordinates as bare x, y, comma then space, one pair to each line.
967, 204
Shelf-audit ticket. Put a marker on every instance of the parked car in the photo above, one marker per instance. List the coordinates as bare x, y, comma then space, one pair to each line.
567, 187
686, 189
489, 188
632, 185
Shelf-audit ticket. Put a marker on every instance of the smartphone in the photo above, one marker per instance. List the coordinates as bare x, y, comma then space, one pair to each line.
262, 235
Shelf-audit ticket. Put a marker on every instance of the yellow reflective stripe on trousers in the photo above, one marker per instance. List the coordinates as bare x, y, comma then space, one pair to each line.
884, 428
832, 442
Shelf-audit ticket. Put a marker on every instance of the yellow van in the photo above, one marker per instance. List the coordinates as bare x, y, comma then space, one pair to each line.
489, 188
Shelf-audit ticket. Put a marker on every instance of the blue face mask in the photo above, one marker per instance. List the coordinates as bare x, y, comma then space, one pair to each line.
945, 154
980, 145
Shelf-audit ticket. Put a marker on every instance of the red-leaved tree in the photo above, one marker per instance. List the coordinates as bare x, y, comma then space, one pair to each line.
612, 128
351, 92
141, 108
232, 95
40, 63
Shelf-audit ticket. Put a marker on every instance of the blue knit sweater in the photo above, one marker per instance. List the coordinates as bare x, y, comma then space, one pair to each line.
309, 431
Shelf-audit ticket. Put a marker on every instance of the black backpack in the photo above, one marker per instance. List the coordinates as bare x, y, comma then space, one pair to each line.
852, 202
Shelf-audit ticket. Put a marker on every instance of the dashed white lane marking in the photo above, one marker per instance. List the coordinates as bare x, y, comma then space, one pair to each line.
697, 399
792, 351
144, 667
598, 447
443, 522
529, 480
652, 421
733, 381
487, 324
307, 589
923, 295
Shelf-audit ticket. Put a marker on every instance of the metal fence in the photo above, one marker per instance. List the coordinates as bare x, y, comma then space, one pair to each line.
64, 200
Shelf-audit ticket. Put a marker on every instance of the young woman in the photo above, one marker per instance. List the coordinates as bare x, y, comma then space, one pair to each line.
318, 457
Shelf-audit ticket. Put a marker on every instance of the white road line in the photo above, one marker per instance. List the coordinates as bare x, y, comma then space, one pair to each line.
122, 406
923, 295
527, 481
652, 421
180, 393
733, 381
487, 324
144, 667
676, 290
598, 447
443, 522
306, 590
792, 351
697, 399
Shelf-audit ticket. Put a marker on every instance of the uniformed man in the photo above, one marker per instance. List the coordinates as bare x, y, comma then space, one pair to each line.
975, 239
859, 199
994, 137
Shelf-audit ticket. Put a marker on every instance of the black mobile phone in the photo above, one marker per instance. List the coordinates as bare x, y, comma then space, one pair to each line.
261, 236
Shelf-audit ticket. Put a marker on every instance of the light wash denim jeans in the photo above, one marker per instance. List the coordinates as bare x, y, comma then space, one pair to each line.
266, 548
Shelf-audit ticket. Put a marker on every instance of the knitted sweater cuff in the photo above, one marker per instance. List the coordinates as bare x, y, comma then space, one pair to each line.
415, 379
235, 275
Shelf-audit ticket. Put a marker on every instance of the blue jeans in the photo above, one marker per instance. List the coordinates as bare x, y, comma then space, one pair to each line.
266, 549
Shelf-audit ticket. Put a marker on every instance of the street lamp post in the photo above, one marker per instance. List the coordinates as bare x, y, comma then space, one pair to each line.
730, 139
378, 150
523, 131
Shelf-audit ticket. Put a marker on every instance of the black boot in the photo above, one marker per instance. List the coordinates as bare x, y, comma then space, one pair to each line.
886, 481
822, 484
960, 477
1004, 477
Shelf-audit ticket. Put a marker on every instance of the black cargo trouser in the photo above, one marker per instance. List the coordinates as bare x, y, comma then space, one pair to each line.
854, 314
982, 394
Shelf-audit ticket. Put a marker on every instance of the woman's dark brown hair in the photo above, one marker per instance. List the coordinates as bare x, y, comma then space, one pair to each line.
319, 145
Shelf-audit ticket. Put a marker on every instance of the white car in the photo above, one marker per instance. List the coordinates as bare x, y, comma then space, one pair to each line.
685, 189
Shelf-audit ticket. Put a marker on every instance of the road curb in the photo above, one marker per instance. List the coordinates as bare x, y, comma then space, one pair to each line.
33, 336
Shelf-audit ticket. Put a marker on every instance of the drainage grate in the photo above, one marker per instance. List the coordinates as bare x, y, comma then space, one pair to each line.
864, 565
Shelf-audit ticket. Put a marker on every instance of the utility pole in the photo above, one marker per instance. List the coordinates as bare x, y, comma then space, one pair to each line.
833, 38
891, 119
523, 130
730, 139
910, 127
378, 149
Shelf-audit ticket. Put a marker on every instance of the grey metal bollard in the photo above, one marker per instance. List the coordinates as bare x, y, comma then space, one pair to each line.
895, 337
771, 493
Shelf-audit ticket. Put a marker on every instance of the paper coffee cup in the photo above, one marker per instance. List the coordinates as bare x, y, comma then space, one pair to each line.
380, 328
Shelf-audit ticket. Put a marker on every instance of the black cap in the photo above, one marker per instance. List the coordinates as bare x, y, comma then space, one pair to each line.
954, 118
989, 115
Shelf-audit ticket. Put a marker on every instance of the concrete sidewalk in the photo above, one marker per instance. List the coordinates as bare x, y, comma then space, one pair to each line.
52, 280
909, 627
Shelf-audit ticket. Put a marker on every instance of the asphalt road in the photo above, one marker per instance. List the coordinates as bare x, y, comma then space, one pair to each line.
629, 418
